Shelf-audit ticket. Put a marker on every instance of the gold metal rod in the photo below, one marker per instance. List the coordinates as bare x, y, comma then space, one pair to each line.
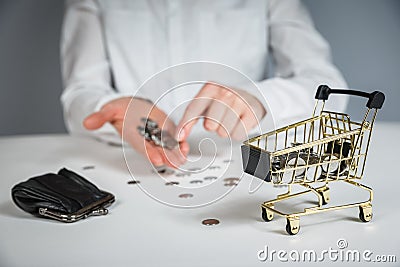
311, 144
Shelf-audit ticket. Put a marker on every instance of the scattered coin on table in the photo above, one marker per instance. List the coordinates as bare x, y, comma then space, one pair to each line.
182, 174
164, 170
280, 185
214, 167
210, 222
186, 195
114, 144
133, 182
231, 179
89, 167
172, 183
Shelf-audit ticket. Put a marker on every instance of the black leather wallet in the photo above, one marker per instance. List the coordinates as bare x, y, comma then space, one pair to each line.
66, 197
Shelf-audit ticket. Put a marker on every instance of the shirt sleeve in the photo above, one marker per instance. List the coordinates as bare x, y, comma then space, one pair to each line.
301, 62
85, 67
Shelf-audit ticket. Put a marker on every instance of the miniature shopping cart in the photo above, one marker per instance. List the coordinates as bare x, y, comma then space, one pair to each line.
328, 147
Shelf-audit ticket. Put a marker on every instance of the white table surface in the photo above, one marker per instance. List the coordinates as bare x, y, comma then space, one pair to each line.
140, 231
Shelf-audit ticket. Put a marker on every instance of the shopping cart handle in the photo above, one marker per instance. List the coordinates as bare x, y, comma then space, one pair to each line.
375, 99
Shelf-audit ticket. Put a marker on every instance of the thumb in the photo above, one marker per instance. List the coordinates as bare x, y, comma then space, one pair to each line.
184, 128
98, 119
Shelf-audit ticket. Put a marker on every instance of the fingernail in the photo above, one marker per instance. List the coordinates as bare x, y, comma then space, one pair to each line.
181, 135
158, 162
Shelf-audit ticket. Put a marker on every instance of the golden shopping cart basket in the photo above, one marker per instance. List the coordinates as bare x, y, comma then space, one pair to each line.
325, 148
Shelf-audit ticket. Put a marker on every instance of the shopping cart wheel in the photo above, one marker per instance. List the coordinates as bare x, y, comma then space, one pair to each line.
293, 225
266, 214
324, 192
365, 212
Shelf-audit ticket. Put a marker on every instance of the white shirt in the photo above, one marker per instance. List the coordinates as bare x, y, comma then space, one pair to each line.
136, 39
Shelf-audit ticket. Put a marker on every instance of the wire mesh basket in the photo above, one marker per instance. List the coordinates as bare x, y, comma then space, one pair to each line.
325, 148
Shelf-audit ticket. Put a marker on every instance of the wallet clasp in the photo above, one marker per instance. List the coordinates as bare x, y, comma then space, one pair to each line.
95, 209
72, 217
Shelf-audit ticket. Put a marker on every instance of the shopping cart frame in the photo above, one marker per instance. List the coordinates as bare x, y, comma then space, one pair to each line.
332, 148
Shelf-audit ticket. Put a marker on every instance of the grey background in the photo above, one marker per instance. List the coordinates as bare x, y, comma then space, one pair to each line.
364, 36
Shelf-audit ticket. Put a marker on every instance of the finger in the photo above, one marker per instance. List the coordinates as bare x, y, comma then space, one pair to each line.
153, 154
171, 158
183, 151
161, 156
191, 116
168, 126
176, 157
195, 109
231, 118
98, 119
228, 124
239, 133
146, 148
217, 110
244, 125
184, 148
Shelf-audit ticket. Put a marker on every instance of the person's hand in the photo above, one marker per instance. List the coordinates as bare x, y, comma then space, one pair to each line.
114, 113
226, 111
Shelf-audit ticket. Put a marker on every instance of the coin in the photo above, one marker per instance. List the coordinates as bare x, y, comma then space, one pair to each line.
149, 123
230, 184
152, 132
280, 185
133, 182
89, 167
210, 222
182, 174
172, 183
214, 167
142, 131
164, 170
167, 141
160, 169
114, 144
231, 179
210, 178
186, 195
